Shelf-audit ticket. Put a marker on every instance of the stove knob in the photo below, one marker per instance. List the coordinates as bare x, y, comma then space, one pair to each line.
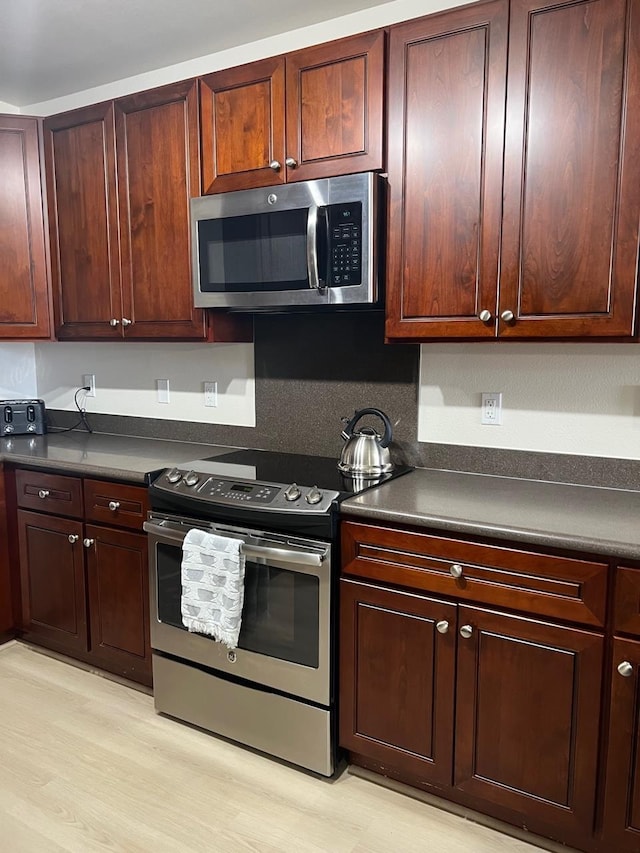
174, 476
313, 496
191, 478
292, 493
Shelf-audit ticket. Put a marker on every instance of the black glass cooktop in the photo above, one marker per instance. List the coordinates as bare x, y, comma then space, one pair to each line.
322, 471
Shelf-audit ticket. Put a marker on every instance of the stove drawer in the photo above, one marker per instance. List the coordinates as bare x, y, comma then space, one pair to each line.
115, 503
542, 584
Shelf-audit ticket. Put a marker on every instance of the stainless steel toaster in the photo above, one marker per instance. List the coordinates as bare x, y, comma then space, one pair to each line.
23, 417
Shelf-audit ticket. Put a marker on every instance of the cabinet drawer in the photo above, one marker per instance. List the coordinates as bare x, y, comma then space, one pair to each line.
540, 584
115, 503
51, 493
627, 607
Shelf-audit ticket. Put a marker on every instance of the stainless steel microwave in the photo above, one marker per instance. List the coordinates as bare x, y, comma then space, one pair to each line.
300, 245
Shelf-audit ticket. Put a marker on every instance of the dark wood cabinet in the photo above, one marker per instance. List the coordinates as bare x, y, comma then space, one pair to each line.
310, 114
118, 584
54, 608
550, 249
496, 707
120, 176
621, 825
24, 275
7, 621
397, 668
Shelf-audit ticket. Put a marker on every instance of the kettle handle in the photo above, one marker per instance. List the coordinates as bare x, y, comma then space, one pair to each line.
388, 429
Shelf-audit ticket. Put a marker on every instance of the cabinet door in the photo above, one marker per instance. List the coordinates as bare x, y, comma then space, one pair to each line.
7, 624
621, 829
24, 286
83, 221
334, 108
119, 602
397, 679
242, 113
158, 172
52, 581
527, 721
572, 169
445, 142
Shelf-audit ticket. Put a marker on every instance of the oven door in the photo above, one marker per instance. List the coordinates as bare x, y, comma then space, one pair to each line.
285, 636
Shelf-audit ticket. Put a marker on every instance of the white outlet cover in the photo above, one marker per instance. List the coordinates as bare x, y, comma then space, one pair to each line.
210, 394
89, 379
162, 387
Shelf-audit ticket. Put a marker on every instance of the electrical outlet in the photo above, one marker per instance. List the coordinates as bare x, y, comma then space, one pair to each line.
491, 408
210, 393
89, 381
162, 389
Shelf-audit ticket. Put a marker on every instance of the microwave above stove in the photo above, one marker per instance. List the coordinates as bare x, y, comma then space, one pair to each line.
309, 244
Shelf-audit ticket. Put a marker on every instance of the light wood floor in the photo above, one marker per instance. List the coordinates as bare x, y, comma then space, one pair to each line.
86, 765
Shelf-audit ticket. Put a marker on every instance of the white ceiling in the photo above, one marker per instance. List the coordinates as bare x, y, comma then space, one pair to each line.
50, 48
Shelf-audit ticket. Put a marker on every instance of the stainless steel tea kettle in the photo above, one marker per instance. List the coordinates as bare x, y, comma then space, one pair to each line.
366, 453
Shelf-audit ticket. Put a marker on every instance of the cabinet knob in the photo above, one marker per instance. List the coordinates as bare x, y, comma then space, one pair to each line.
508, 316
114, 322
485, 316
275, 165
625, 668
43, 493
73, 538
456, 570
466, 631
126, 322
442, 626
291, 162
114, 505
88, 542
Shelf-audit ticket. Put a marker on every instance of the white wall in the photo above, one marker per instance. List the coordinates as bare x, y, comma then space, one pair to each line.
126, 376
8, 108
563, 398
17, 371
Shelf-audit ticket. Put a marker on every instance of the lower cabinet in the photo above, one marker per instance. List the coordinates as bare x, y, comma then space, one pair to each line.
84, 586
496, 710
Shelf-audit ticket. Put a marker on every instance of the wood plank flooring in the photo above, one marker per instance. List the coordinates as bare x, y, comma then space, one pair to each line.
86, 765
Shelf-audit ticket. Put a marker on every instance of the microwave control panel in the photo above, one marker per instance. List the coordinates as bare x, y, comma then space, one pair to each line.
345, 244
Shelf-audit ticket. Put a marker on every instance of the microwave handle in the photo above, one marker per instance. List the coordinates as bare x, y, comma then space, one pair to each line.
312, 247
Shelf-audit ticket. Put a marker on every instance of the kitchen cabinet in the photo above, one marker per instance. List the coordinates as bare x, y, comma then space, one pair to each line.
408, 659
120, 175
6, 608
83, 570
514, 210
24, 275
311, 114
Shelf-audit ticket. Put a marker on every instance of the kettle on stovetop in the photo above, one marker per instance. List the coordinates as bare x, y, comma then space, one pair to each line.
366, 452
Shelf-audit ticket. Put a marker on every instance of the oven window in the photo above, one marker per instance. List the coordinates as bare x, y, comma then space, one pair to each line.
280, 616
262, 251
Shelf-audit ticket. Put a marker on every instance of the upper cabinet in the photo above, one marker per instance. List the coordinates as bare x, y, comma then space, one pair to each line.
516, 222
311, 114
24, 287
120, 176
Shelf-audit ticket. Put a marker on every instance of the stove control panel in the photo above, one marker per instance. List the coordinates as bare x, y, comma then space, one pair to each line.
277, 497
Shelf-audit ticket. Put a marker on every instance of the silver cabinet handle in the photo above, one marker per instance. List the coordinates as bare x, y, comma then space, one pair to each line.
508, 316
466, 631
114, 505
43, 493
485, 316
126, 322
73, 538
88, 542
275, 165
456, 570
442, 626
625, 668
291, 162
114, 322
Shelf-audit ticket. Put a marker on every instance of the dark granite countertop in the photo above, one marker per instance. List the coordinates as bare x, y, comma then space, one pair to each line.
114, 457
583, 518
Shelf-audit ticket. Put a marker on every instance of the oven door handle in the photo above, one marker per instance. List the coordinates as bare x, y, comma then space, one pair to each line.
302, 558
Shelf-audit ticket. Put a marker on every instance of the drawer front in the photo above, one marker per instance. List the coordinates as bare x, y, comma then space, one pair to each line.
540, 584
115, 503
52, 493
627, 607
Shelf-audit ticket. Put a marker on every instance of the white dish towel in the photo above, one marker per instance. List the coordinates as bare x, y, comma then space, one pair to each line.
212, 585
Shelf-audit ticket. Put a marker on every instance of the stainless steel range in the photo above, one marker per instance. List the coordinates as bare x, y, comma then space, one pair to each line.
276, 691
